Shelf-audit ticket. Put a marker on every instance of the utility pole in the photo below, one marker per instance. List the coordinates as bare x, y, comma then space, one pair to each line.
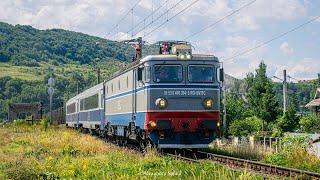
285, 92
224, 109
97, 69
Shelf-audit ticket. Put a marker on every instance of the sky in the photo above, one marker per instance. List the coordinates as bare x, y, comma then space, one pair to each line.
262, 20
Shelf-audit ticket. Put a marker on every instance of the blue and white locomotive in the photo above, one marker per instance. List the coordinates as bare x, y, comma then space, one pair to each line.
170, 100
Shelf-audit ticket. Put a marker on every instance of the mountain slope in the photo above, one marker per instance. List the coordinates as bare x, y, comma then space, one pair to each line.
24, 45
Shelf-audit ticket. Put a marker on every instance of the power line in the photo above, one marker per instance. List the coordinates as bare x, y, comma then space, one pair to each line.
118, 23
151, 14
171, 18
220, 20
158, 18
272, 39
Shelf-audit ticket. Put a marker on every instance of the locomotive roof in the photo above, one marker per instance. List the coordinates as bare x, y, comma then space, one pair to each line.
197, 57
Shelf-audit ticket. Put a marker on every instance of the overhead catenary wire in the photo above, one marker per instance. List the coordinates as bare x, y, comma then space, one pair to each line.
128, 12
158, 18
150, 32
220, 20
272, 39
147, 17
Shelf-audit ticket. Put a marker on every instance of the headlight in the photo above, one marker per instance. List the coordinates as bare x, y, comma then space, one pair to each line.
161, 103
188, 56
152, 124
207, 103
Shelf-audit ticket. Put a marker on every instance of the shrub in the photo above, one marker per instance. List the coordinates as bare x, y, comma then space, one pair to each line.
295, 154
246, 126
310, 123
45, 123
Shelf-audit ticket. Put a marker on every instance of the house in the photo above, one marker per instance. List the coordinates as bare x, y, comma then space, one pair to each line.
315, 103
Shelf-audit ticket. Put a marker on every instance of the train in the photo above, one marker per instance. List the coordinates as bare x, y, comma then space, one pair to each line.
167, 100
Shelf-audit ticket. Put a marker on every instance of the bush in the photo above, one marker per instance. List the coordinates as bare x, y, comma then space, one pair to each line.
246, 126
310, 123
45, 123
295, 154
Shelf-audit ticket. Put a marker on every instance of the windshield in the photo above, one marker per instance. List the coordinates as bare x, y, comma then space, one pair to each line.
200, 74
168, 73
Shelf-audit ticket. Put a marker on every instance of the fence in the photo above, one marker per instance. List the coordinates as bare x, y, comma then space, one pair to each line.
58, 116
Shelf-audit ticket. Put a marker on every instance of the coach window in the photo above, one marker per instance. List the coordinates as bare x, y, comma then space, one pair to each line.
71, 108
82, 104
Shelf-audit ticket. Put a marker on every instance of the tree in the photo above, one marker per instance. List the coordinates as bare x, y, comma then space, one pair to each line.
289, 121
261, 97
247, 126
235, 109
310, 123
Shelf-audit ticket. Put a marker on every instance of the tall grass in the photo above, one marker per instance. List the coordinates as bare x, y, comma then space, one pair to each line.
295, 153
244, 150
30, 152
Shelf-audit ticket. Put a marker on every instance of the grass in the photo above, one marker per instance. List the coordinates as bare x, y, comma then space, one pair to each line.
295, 154
31, 152
38, 73
243, 150
20, 72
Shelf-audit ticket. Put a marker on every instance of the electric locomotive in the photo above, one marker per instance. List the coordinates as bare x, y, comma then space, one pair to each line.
170, 100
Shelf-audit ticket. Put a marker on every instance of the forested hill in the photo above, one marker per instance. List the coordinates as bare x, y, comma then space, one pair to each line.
25, 45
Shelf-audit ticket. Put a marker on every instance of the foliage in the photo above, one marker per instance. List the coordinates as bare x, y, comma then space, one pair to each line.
244, 127
235, 109
310, 123
45, 123
17, 90
295, 154
243, 150
288, 122
26, 152
24, 45
261, 97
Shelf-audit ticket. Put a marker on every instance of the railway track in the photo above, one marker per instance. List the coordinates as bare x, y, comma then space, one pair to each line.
197, 156
268, 169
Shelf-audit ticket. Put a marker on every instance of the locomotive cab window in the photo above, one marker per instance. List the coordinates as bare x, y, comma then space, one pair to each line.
201, 73
168, 73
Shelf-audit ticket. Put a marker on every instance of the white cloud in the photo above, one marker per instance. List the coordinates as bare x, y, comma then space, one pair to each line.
98, 17
240, 65
284, 47
304, 69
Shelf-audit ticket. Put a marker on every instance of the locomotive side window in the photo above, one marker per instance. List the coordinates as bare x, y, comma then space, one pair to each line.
111, 88
168, 73
201, 73
127, 82
146, 76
